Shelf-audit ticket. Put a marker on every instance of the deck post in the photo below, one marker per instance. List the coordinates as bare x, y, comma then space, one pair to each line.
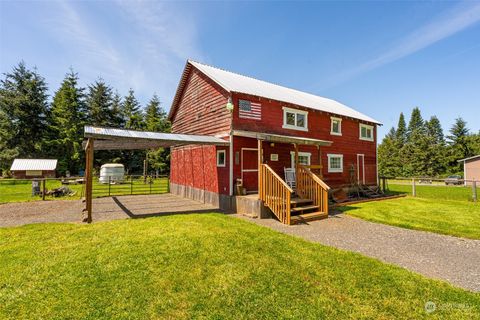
320, 161
296, 163
260, 184
89, 179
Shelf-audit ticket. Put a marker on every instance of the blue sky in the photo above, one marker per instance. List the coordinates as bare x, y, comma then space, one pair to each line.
380, 58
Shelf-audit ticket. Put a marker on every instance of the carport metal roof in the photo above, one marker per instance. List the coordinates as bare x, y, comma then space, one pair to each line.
121, 139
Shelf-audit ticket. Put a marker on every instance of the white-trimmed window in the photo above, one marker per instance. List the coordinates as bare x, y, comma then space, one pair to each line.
295, 119
303, 158
366, 132
336, 126
221, 158
335, 162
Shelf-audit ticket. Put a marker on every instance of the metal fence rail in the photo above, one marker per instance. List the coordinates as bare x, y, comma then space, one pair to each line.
18, 190
425, 187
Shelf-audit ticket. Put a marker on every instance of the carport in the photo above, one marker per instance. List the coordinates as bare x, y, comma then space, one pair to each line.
101, 138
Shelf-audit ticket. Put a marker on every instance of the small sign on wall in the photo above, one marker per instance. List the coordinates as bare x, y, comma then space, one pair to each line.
274, 157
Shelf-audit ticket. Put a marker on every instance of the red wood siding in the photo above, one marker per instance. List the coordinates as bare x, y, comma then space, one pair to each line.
201, 109
348, 144
196, 166
22, 174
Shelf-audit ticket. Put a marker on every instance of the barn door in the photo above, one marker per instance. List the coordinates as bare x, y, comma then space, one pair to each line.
361, 168
249, 165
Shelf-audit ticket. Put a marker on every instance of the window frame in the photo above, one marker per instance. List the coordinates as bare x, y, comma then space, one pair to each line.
303, 154
335, 170
332, 119
224, 158
367, 127
295, 112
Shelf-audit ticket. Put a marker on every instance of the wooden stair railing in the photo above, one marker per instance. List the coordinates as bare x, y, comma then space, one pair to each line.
275, 193
310, 186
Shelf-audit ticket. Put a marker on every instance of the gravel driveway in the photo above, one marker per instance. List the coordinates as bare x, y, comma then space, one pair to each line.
452, 259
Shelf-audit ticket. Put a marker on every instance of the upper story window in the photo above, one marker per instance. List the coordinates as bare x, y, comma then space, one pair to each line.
335, 162
295, 119
336, 126
221, 158
366, 132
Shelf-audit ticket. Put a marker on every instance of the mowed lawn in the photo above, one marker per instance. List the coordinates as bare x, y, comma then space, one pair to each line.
12, 190
457, 218
442, 192
204, 266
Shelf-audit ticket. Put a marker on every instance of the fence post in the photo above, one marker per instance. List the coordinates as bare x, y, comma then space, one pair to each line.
383, 184
109, 185
43, 187
474, 190
414, 191
131, 185
150, 182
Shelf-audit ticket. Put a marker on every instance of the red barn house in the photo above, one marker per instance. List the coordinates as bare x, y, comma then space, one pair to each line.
271, 130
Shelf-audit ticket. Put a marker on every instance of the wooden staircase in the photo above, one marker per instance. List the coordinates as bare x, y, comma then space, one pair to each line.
303, 210
310, 203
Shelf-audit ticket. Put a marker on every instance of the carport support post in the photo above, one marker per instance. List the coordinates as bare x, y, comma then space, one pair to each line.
89, 177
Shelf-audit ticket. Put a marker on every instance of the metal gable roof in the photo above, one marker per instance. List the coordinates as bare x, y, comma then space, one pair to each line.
233, 82
34, 164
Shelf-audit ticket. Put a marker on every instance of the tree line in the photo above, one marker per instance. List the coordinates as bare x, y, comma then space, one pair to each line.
32, 126
422, 149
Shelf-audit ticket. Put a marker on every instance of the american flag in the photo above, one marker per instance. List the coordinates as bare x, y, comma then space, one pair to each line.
250, 110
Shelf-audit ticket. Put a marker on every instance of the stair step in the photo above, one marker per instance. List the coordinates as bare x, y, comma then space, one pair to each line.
297, 201
308, 217
303, 208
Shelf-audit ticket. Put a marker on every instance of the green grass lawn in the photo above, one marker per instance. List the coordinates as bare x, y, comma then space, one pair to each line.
442, 192
21, 190
457, 218
204, 266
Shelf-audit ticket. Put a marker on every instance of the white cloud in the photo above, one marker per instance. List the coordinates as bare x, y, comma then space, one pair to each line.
450, 23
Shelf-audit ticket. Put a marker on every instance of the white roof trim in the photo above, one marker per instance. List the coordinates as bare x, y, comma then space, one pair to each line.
233, 82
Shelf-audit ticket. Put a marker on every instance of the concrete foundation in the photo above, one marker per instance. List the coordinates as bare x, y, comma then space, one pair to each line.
251, 206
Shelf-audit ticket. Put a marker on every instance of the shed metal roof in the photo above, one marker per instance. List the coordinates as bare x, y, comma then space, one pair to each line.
34, 164
122, 139
233, 82
469, 158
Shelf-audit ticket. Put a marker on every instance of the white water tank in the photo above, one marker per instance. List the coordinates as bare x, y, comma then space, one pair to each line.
112, 172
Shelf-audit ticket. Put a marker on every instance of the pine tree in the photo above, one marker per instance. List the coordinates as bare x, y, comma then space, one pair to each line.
116, 112
434, 129
8, 152
459, 146
435, 148
416, 123
401, 132
387, 153
132, 113
23, 99
99, 104
66, 124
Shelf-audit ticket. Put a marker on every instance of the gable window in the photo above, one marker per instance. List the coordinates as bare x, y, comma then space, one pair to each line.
366, 132
335, 162
336, 126
221, 158
303, 158
295, 119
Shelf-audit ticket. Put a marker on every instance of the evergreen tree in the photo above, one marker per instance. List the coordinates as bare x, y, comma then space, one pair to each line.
387, 151
116, 112
434, 129
401, 132
99, 104
8, 152
416, 123
66, 125
459, 146
132, 113
435, 148
23, 99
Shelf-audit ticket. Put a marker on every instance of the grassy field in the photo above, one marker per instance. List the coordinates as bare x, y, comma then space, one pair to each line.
21, 190
204, 266
457, 218
442, 192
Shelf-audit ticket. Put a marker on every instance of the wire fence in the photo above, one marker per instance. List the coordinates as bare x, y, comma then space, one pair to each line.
433, 188
18, 190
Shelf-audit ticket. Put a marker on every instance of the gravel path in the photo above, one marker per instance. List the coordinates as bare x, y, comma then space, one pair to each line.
121, 207
452, 259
